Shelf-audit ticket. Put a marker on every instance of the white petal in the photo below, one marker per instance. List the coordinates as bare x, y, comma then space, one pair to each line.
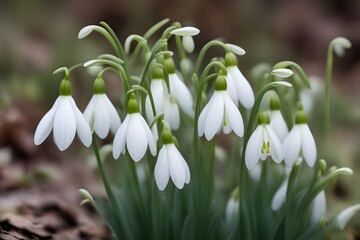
318, 208
85, 31
101, 120
231, 89
236, 49
149, 110
159, 91
162, 173
278, 124
282, 72
82, 126
344, 217
172, 114
115, 120
308, 145
253, 148
186, 31
244, 91
201, 120
279, 197
46, 124
215, 115
276, 148
150, 136
64, 124
188, 44
89, 109
136, 139
182, 94
291, 146
176, 167
120, 136
255, 173
233, 116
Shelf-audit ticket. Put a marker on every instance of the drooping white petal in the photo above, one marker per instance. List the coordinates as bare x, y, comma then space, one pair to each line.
253, 148
46, 124
184, 163
308, 145
291, 146
276, 148
182, 94
233, 116
236, 49
162, 173
176, 167
115, 120
215, 115
188, 43
186, 31
344, 217
282, 72
101, 120
318, 208
88, 112
244, 91
64, 124
120, 137
280, 196
226, 128
136, 139
171, 113
255, 173
82, 126
232, 209
85, 31
231, 88
201, 121
278, 124
150, 137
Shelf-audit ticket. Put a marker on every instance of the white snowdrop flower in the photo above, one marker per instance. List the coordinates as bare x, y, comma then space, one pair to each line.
318, 208
85, 31
134, 133
170, 163
65, 119
236, 49
263, 143
282, 72
300, 142
102, 110
244, 92
220, 112
277, 121
187, 33
171, 112
345, 216
339, 45
232, 207
280, 196
179, 90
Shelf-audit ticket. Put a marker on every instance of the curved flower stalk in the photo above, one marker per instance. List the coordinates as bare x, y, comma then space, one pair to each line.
178, 89
170, 163
65, 119
220, 112
300, 142
242, 90
104, 114
134, 133
263, 143
187, 34
277, 122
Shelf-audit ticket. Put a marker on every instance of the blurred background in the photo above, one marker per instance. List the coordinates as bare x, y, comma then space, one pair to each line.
38, 37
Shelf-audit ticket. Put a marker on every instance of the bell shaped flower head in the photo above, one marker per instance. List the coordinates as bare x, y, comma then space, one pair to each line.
277, 122
170, 163
220, 113
134, 133
187, 34
65, 119
178, 89
232, 206
300, 142
345, 216
102, 111
318, 207
263, 143
242, 92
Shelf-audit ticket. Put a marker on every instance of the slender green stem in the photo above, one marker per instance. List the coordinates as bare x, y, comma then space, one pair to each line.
328, 77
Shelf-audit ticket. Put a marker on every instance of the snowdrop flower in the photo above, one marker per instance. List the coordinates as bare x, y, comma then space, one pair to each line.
66, 119
232, 206
187, 33
238, 87
103, 111
263, 143
280, 195
220, 112
134, 133
277, 122
318, 207
344, 217
178, 89
300, 142
170, 163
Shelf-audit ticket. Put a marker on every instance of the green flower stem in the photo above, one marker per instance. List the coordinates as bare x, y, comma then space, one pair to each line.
328, 77
205, 49
107, 186
155, 28
182, 54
